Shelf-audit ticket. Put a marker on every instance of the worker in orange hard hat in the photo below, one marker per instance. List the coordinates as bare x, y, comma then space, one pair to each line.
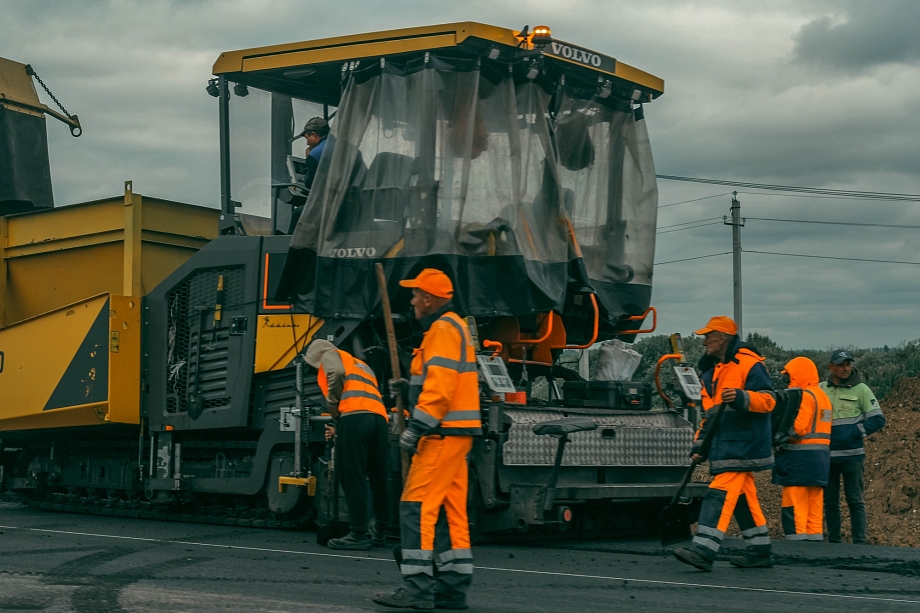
733, 376
803, 462
435, 558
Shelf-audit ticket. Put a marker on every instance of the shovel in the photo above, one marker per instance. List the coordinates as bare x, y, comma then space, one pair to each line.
675, 518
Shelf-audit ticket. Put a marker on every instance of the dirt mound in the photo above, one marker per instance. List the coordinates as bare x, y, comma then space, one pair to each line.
892, 476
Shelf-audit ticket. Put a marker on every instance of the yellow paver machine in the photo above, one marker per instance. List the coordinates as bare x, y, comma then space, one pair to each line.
149, 359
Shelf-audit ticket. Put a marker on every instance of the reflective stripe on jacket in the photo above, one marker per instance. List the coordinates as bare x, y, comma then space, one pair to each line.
444, 382
742, 441
805, 458
360, 393
857, 414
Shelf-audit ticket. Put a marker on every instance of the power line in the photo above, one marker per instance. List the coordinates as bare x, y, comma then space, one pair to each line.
686, 223
699, 257
827, 257
839, 223
664, 206
840, 193
702, 225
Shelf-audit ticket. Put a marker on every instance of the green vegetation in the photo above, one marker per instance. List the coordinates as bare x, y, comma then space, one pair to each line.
880, 368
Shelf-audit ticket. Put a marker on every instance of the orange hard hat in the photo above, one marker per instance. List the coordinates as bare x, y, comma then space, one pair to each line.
432, 281
719, 323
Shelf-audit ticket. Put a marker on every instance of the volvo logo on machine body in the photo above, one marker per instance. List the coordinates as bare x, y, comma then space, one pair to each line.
582, 56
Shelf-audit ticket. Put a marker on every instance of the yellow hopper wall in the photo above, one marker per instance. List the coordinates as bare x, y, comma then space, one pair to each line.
71, 281
122, 246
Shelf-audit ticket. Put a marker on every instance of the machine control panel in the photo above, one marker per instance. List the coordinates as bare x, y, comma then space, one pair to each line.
689, 381
495, 372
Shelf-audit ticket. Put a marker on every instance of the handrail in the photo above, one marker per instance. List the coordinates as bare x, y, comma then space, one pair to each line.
496, 344
597, 319
549, 330
641, 318
662, 360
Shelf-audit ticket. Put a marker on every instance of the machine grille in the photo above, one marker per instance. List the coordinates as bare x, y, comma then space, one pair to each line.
196, 351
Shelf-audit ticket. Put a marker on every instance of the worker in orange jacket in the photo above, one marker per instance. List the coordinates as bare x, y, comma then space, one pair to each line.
350, 388
804, 461
436, 559
733, 376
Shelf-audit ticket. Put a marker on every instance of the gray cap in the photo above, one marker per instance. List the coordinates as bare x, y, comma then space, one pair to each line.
316, 124
316, 350
840, 356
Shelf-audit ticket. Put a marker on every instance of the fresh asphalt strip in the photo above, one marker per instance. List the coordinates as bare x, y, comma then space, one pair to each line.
490, 568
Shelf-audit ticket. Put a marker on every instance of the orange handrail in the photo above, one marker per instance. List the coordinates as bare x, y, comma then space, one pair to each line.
496, 344
549, 330
640, 318
597, 319
662, 360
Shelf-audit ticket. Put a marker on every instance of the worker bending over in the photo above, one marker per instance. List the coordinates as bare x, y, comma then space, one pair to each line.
436, 561
735, 377
803, 462
351, 392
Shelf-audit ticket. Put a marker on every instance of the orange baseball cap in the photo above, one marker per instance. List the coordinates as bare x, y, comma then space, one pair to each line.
719, 323
432, 281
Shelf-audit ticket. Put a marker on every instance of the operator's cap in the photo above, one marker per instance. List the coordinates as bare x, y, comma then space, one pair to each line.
840, 356
719, 323
316, 350
432, 281
316, 124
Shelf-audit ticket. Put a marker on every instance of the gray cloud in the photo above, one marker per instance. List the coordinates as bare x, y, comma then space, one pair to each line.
866, 35
743, 101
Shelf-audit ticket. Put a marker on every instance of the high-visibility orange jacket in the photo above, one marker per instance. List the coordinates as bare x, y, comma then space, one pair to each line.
742, 441
805, 458
444, 381
359, 393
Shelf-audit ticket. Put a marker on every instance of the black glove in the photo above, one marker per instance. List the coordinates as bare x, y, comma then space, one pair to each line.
400, 387
408, 441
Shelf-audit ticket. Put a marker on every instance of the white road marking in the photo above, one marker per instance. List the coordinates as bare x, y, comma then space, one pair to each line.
491, 568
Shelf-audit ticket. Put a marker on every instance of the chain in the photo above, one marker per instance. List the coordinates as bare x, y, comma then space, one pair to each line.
32, 73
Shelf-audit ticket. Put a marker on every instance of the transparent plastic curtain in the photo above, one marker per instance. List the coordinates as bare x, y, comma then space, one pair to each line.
436, 162
437, 159
610, 191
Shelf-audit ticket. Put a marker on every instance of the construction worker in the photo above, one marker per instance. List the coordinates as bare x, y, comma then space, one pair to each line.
354, 401
735, 378
857, 415
803, 462
316, 131
443, 392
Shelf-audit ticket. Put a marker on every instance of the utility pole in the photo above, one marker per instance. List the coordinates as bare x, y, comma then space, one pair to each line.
736, 223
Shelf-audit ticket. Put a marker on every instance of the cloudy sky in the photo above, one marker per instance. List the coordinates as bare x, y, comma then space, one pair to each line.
818, 93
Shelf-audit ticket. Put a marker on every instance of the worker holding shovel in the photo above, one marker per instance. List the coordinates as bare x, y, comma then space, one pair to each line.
736, 383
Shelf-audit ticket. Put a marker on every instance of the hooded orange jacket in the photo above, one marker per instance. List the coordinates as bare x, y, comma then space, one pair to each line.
805, 458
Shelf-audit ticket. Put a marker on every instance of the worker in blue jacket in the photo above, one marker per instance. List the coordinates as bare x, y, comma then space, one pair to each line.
857, 415
735, 378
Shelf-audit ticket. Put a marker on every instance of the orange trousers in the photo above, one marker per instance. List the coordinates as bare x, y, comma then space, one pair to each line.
803, 513
731, 494
434, 525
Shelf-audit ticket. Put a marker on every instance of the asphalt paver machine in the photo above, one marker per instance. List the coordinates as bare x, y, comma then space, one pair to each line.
517, 163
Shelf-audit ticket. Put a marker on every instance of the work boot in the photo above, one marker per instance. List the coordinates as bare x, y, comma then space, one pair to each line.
443, 602
352, 542
688, 556
378, 534
404, 599
750, 560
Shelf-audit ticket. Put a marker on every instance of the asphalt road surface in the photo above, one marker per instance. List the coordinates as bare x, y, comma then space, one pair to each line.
90, 564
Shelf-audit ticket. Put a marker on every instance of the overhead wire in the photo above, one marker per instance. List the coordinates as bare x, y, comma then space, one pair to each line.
838, 223
699, 257
702, 225
664, 206
828, 257
840, 193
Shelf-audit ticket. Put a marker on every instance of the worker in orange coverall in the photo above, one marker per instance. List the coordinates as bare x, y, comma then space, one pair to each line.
733, 376
436, 560
804, 461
